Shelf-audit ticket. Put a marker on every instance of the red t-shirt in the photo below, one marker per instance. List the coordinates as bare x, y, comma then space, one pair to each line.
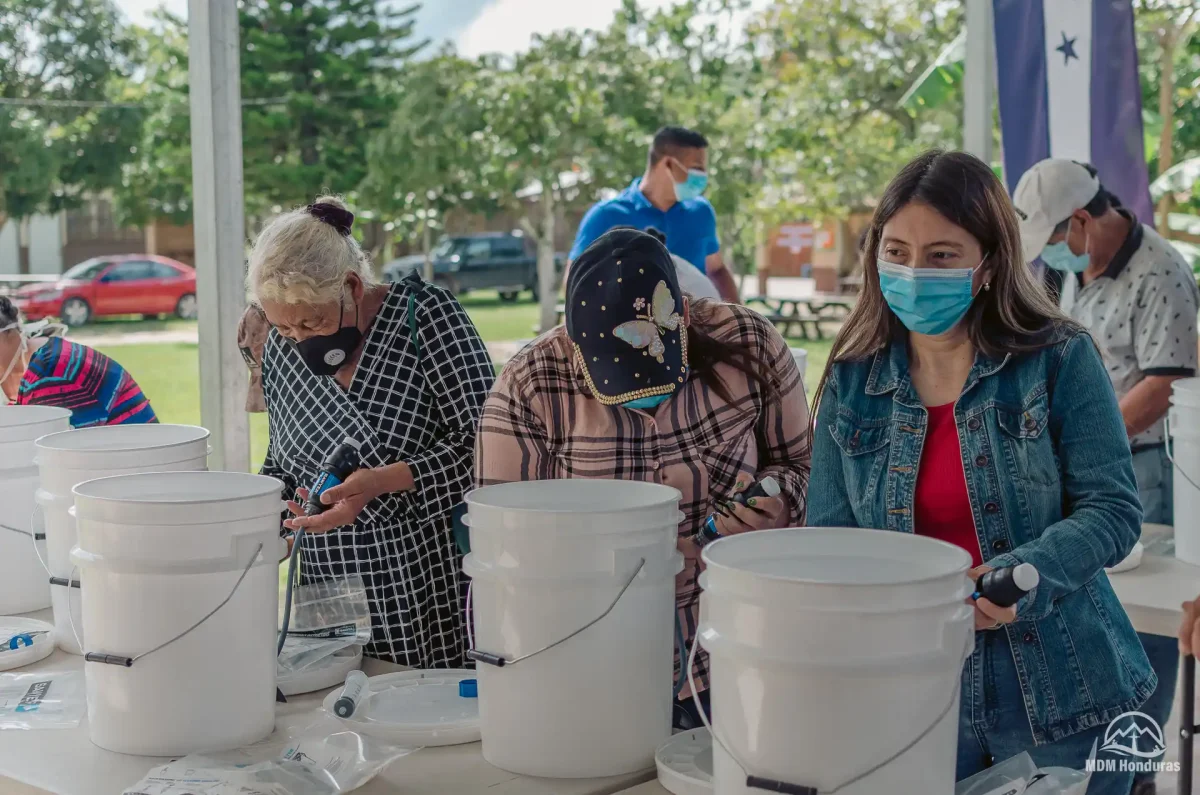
943, 507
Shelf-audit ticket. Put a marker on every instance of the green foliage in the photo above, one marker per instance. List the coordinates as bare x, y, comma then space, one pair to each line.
63, 60
425, 162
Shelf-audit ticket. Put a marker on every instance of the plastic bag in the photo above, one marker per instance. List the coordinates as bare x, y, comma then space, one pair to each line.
322, 758
43, 700
332, 610
301, 653
1020, 776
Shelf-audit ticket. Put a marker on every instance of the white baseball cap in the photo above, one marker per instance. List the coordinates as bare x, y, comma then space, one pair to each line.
1046, 196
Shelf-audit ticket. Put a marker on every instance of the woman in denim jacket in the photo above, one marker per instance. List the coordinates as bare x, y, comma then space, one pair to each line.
959, 404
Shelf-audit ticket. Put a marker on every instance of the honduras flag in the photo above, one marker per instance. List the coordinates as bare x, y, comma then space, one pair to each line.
1068, 84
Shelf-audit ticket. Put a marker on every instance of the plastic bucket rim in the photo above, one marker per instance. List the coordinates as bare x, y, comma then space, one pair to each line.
42, 443
52, 414
721, 543
472, 500
276, 488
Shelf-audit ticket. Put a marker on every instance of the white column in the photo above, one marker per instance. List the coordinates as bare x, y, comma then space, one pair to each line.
979, 80
219, 220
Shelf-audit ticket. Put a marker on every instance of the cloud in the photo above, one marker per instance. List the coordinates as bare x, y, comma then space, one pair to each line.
506, 26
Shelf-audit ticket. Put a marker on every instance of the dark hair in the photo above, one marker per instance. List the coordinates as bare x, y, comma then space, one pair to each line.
705, 352
670, 140
1099, 204
1014, 316
9, 313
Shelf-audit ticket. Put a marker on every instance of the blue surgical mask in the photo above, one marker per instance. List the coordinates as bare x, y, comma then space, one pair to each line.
927, 300
654, 401
693, 187
1058, 256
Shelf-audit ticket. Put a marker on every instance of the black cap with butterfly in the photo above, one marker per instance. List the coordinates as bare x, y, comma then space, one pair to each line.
625, 318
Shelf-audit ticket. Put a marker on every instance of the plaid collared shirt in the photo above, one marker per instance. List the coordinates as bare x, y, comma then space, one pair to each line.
541, 422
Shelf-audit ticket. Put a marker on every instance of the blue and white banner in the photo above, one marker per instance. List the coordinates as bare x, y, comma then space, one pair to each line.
1068, 84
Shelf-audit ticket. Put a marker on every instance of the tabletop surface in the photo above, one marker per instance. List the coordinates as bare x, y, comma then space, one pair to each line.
65, 762
1154, 592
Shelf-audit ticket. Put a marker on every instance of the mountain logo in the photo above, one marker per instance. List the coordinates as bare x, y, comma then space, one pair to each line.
1134, 734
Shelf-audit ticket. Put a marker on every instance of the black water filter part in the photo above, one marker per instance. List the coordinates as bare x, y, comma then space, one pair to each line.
1004, 587
343, 462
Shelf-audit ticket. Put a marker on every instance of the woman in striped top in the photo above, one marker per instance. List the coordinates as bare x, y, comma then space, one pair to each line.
52, 371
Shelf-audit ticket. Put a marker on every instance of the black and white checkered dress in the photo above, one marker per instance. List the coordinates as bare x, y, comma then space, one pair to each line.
417, 401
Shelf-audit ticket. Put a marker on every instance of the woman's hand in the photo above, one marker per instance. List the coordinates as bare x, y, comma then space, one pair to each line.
346, 502
1189, 630
759, 513
987, 614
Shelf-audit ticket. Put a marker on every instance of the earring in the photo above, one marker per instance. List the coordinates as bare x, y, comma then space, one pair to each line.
987, 286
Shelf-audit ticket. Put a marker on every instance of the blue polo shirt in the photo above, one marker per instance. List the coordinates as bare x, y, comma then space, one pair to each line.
690, 226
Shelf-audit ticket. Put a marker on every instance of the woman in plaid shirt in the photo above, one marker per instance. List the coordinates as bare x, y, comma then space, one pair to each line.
643, 384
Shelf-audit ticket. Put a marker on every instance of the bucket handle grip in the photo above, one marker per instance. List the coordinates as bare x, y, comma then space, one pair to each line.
36, 536
499, 661
1171, 455
126, 661
771, 785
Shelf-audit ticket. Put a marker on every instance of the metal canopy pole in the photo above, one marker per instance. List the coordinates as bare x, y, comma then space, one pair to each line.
218, 215
979, 80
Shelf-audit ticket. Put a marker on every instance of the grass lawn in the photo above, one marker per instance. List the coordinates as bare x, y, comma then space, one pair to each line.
169, 372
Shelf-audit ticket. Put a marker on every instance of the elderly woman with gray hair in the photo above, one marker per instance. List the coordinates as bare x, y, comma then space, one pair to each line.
399, 368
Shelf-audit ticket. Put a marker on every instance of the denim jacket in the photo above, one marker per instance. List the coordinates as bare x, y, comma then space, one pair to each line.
1051, 483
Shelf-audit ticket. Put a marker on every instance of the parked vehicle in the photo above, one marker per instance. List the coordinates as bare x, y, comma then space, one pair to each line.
134, 284
497, 261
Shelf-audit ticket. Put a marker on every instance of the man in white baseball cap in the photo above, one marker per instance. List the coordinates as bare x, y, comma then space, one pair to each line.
1133, 291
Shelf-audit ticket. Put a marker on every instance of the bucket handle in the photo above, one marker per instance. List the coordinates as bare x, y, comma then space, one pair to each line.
127, 661
1171, 455
772, 785
500, 661
36, 537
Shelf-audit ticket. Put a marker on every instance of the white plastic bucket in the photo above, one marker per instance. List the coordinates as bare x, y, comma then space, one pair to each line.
67, 459
1183, 448
832, 650
548, 558
801, 357
23, 583
157, 554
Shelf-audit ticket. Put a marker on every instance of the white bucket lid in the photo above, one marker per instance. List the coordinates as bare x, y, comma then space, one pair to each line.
178, 498
421, 708
325, 673
24, 641
26, 423
605, 507
109, 447
685, 763
839, 568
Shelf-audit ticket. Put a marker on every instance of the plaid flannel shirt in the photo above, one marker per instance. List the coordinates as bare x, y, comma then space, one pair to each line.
541, 422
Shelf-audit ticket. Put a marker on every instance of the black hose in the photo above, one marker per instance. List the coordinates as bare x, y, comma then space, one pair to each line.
297, 538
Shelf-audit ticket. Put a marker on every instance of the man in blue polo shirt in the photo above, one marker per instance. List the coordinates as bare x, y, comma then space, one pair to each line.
668, 197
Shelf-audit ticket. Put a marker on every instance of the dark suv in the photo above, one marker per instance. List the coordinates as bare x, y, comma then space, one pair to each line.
492, 261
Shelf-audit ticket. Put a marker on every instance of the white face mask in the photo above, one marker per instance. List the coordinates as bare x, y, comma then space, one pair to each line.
16, 356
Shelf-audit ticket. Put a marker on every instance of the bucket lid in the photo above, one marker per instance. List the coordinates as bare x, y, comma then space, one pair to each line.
109, 447
421, 708
26, 423
685, 763
177, 498
24, 641
325, 673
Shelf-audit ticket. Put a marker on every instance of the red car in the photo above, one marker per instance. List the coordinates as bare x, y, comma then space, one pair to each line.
135, 284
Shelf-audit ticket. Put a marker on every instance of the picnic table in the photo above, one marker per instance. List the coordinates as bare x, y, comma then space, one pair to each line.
802, 317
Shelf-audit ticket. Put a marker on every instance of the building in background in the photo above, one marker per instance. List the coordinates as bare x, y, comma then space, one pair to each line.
45, 244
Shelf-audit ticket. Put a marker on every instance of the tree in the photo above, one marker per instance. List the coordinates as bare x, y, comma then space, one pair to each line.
552, 139
1166, 28
425, 163
157, 182
64, 129
317, 84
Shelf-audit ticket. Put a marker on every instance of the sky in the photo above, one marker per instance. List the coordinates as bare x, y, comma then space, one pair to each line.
474, 26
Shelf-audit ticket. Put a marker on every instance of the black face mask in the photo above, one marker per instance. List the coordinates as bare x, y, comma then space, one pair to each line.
326, 355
